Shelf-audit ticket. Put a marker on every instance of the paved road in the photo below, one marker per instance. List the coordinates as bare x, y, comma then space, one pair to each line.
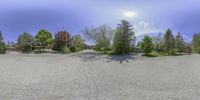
90, 76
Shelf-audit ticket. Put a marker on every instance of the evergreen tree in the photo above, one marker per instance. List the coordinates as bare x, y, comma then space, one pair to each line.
179, 43
2, 45
1, 37
196, 42
123, 38
147, 45
169, 42
158, 42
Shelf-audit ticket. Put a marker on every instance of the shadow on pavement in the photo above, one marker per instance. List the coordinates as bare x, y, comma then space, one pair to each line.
90, 56
120, 58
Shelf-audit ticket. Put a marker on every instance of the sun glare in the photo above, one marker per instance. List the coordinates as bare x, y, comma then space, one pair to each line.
129, 14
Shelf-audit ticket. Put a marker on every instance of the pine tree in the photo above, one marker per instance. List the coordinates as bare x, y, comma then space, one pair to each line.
196, 42
179, 43
1, 37
147, 45
169, 42
2, 45
123, 38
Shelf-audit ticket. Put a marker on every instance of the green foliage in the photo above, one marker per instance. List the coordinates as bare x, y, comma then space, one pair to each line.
25, 41
156, 54
1, 37
103, 44
169, 42
78, 43
65, 50
147, 44
161, 46
102, 36
2, 45
122, 42
196, 42
72, 49
179, 43
44, 37
2, 48
158, 42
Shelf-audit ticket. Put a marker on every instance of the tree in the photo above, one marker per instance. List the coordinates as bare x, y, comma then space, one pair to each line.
78, 43
1, 37
25, 41
2, 45
124, 35
62, 40
147, 45
188, 49
101, 35
179, 43
158, 42
2, 48
11, 44
44, 38
169, 42
196, 42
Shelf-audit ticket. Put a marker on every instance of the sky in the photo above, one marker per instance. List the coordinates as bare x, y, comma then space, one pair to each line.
151, 16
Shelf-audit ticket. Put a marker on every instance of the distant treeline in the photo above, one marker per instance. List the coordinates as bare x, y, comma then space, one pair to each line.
121, 40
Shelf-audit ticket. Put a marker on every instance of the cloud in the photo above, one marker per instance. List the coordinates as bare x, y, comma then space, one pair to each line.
145, 28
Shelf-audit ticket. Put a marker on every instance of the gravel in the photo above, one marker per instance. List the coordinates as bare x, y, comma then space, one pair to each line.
91, 76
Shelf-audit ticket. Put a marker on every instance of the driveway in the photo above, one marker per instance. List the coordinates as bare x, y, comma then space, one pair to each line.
91, 76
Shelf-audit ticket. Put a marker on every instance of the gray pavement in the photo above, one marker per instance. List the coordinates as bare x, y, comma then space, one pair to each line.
91, 76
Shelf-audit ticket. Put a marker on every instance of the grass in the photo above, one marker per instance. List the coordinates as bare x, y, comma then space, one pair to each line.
106, 52
152, 54
156, 54
161, 54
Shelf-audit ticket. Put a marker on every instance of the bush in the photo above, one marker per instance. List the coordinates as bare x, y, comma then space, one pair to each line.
65, 50
156, 54
2, 48
73, 49
147, 45
123, 38
173, 52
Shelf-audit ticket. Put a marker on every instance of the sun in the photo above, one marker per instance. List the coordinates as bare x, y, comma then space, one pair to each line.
130, 14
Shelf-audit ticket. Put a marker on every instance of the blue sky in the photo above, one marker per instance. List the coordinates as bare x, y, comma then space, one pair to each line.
152, 16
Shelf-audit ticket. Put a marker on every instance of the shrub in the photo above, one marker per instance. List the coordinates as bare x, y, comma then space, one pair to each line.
173, 52
147, 45
73, 49
65, 50
2, 48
